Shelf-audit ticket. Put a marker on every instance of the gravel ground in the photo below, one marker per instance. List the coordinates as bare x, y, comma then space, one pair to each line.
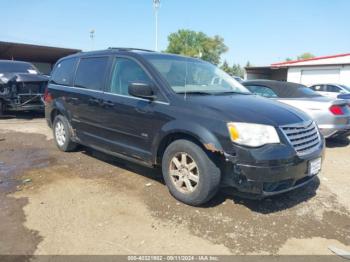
90, 203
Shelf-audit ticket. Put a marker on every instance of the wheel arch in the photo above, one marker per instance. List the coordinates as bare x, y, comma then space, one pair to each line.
58, 109
189, 131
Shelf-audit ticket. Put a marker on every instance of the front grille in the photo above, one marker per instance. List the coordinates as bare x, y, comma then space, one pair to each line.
304, 137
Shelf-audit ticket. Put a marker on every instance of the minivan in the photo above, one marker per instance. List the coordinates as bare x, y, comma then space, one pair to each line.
203, 128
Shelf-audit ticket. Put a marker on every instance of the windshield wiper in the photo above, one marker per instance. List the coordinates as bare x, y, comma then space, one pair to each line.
232, 92
195, 93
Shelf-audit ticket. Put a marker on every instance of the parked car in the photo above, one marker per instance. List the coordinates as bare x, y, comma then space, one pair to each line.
165, 110
331, 115
331, 90
238, 79
21, 86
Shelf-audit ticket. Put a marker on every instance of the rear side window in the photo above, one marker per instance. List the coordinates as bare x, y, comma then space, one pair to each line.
91, 73
63, 72
317, 88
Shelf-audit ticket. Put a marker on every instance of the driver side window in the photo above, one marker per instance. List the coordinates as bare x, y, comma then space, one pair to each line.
126, 71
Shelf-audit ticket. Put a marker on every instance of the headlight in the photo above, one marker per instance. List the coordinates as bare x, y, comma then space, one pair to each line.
253, 135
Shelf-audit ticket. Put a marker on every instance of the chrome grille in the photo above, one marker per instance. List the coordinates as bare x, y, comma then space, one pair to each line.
304, 137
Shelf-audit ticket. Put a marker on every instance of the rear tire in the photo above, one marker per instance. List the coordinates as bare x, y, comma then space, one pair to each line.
62, 134
2, 108
190, 174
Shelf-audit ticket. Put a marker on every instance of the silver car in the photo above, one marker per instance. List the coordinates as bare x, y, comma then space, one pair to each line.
331, 115
331, 90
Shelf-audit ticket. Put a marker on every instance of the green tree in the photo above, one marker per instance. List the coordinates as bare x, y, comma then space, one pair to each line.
197, 44
288, 59
237, 70
225, 67
306, 55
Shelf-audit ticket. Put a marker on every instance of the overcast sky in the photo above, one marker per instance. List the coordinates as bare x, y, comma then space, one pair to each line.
261, 31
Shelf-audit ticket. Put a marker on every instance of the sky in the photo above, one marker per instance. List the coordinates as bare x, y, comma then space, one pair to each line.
259, 31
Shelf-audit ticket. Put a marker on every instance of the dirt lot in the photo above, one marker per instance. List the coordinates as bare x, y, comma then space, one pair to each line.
89, 203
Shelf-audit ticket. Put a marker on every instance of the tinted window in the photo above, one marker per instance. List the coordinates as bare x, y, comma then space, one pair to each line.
334, 89
296, 91
126, 71
16, 67
63, 72
91, 73
262, 91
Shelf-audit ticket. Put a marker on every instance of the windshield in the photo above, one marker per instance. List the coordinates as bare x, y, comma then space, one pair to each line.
187, 75
16, 67
346, 88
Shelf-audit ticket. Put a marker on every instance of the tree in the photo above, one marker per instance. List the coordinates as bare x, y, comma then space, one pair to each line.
288, 59
235, 70
197, 44
225, 67
305, 56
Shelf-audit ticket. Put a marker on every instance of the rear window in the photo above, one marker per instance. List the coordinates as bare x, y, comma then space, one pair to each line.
17, 67
300, 92
262, 91
91, 73
63, 72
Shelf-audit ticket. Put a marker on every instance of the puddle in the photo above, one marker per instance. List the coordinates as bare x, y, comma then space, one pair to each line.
15, 163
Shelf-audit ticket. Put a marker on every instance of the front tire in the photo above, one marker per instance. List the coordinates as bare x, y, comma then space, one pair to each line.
62, 134
190, 174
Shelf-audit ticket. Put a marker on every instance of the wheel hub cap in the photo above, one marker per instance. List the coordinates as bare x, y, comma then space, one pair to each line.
184, 172
60, 133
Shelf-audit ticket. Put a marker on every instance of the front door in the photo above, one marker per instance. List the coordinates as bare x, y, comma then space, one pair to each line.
128, 121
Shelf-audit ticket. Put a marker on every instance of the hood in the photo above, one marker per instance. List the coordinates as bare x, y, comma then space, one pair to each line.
250, 109
22, 77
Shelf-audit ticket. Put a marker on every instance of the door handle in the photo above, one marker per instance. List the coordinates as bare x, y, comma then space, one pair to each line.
107, 103
94, 100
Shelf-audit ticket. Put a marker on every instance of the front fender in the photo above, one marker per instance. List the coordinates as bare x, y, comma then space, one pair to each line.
199, 132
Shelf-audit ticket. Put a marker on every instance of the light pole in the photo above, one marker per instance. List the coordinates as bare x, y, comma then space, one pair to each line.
92, 36
156, 5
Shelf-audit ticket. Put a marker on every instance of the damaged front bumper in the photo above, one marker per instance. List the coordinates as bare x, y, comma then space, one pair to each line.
270, 170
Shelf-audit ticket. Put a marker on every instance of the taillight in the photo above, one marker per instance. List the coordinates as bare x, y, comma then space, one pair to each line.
336, 110
47, 96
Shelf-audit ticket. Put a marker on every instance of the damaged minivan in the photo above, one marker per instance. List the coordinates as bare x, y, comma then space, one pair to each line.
21, 87
199, 125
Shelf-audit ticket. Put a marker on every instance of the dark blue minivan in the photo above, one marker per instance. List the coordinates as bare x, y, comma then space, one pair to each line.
203, 128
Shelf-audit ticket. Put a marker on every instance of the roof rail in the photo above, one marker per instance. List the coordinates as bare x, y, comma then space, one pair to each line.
130, 49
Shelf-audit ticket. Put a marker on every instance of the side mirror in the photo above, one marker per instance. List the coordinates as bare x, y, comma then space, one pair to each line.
142, 90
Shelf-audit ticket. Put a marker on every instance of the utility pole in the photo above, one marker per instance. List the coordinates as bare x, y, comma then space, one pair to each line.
92, 37
156, 5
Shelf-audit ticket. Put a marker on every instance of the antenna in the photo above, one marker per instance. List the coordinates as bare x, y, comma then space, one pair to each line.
156, 6
92, 37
